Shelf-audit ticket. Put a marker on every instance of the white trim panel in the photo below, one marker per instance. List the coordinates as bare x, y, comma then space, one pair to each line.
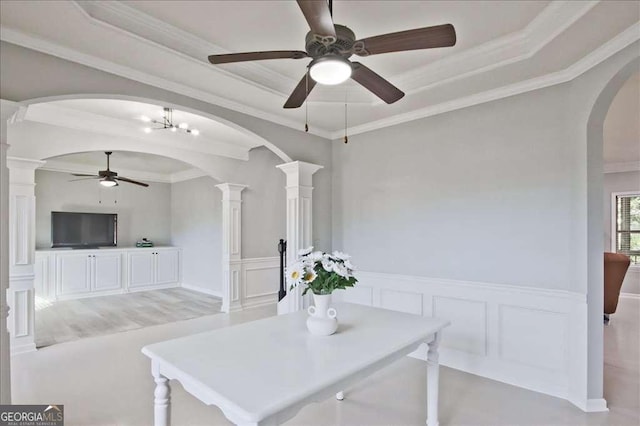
517, 335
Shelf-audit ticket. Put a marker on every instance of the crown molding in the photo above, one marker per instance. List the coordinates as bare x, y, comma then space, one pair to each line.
38, 44
520, 45
630, 166
511, 48
622, 40
125, 19
627, 37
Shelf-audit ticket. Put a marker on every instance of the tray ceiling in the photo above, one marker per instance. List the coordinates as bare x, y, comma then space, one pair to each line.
504, 48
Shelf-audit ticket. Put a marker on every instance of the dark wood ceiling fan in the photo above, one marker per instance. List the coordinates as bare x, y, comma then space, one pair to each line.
332, 42
107, 177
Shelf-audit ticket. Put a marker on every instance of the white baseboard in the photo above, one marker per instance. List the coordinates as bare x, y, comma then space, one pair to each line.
201, 289
22, 349
630, 296
597, 405
524, 336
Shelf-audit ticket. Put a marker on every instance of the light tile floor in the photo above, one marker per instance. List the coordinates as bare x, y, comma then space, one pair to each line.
106, 381
68, 320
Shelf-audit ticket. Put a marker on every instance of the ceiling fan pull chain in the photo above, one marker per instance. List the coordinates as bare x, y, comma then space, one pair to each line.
306, 104
346, 138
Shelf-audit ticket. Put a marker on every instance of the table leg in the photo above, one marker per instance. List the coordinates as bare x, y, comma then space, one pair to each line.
162, 402
433, 370
340, 396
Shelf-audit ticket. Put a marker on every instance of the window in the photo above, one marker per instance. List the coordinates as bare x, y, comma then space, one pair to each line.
627, 225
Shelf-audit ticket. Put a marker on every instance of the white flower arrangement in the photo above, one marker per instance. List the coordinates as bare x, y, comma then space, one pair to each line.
321, 272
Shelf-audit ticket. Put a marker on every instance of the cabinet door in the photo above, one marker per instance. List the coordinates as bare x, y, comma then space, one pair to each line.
167, 266
107, 271
141, 269
73, 274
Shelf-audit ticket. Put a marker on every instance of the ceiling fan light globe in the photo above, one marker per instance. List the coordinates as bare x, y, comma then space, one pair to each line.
108, 183
330, 70
145, 119
147, 130
183, 126
194, 132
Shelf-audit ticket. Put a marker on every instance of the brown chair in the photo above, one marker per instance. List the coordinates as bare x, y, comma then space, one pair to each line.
615, 268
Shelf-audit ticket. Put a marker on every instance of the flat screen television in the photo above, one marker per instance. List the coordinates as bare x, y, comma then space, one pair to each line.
83, 230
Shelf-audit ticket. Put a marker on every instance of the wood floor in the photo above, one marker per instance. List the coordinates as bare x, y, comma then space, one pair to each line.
96, 316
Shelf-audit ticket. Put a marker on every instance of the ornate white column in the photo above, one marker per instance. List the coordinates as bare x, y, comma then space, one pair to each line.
231, 246
7, 109
299, 216
22, 239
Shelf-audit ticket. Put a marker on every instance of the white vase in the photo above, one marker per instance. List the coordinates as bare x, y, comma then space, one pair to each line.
322, 319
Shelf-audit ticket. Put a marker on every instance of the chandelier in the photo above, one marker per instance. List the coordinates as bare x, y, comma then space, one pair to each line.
167, 123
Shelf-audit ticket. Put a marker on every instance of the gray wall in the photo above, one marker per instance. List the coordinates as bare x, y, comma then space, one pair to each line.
620, 182
196, 227
142, 212
479, 194
196, 210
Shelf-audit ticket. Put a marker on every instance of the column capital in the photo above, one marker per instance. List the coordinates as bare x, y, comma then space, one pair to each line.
299, 173
231, 191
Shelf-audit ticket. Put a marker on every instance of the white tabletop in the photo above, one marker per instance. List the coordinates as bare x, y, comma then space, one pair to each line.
258, 369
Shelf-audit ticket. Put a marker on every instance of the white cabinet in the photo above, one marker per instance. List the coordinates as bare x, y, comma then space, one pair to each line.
141, 269
167, 266
73, 274
107, 271
157, 267
88, 272
69, 274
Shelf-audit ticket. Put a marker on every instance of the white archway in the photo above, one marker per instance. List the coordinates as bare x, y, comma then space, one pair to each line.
262, 141
22, 176
595, 218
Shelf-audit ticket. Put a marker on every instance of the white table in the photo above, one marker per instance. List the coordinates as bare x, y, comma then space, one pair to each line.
264, 372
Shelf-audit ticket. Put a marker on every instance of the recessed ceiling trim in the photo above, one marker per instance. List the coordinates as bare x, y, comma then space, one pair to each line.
622, 40
149, 30
518, 46
556, 18
625, 38
20, 38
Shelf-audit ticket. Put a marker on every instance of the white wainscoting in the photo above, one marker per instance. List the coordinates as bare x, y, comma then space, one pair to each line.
523, 336
260, 281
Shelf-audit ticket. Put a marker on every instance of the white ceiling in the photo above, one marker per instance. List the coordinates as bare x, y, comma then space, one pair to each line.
622, 125
504, 48
279, 25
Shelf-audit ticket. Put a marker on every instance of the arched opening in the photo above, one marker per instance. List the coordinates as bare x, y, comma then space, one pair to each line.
89, 292
595, 234
227, 153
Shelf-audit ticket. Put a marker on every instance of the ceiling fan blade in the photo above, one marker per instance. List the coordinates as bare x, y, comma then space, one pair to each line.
375, 83
257, 56
124, 179
301, 92
85, 178
419, 38
318, 16
84, 175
